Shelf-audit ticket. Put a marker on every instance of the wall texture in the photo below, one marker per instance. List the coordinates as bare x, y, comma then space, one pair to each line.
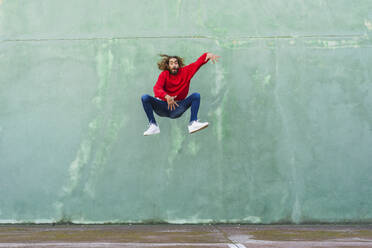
289, 105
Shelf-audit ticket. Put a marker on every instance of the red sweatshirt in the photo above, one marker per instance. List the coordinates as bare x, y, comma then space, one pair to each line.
177, 85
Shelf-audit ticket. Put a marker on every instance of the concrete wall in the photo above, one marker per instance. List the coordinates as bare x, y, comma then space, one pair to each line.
289, 106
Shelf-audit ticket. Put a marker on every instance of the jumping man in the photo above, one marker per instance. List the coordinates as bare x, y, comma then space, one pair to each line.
171, 90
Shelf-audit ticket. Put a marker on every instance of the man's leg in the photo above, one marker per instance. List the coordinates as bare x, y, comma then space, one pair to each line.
195, 103
192, 101
151, 104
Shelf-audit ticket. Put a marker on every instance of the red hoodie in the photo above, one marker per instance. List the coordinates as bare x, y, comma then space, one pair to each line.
177, 85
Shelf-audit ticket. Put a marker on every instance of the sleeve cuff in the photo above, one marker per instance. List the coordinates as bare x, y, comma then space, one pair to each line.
202, 58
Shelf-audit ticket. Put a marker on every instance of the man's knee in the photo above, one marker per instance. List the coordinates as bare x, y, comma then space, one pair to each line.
195, 95
145, 98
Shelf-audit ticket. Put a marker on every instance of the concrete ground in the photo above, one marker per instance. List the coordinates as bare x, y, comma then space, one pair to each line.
186, 236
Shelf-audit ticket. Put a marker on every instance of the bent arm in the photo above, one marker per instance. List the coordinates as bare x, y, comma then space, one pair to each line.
159, 86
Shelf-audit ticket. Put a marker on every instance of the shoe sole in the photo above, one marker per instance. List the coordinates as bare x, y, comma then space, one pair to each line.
199, 129
150, 134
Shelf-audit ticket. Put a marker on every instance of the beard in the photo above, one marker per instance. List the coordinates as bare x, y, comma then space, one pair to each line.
173, 71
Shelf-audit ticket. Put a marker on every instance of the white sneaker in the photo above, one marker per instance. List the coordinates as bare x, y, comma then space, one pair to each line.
196, 126
153, 129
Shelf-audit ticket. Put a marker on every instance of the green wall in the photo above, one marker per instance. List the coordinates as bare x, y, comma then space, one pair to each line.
289, 105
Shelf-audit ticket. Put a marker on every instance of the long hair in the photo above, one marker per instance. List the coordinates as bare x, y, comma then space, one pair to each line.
163, 64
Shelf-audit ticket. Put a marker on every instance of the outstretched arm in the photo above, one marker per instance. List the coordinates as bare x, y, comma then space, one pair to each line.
194, 67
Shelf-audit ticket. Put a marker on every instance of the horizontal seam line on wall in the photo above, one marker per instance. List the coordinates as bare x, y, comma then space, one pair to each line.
188, 37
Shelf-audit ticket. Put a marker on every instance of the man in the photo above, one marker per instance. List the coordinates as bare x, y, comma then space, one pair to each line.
171, 90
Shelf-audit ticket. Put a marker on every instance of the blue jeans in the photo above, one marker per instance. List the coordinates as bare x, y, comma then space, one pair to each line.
160, 107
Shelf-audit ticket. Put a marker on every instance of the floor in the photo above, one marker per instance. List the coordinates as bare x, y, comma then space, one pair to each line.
195, 236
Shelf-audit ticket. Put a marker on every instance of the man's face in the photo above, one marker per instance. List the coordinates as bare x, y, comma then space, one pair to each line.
173, 66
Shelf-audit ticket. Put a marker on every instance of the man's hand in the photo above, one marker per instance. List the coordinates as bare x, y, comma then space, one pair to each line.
171, 102
212, 56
